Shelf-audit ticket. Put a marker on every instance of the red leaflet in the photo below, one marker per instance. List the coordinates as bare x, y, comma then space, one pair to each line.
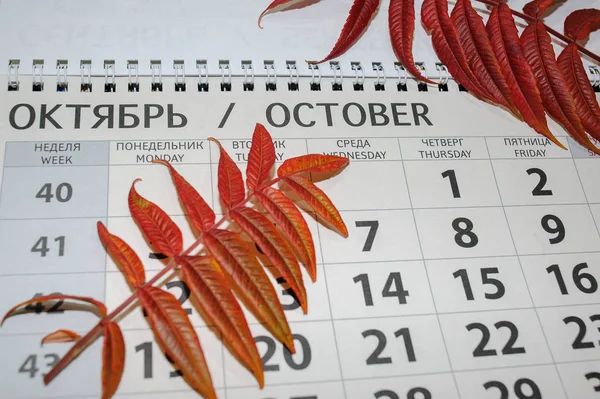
291, 222
262, 231
552, 85
579, 24
282, 5
536, 8
250, 282
177, 338
221, 310
312, 163
200, 215
61, 336
124, 257
434, 14
231, 183
586, 104
113, 358
318, 201
97, 307
261, 158
504, 37
358, 19
161, 233
480, 55
401, 19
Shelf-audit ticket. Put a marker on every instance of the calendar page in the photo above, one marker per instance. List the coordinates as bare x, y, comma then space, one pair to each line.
471, 268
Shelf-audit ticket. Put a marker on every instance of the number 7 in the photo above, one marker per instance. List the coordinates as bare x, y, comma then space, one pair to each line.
373, 225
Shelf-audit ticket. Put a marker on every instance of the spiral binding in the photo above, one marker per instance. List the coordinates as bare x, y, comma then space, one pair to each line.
270, 77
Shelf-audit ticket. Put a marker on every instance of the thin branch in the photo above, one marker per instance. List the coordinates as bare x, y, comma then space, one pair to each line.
560, 36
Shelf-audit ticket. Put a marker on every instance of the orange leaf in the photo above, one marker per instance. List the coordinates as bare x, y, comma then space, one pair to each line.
504, 37
282, 5
586, 104
231, 183
556, 97
61, 336
200, 215
358, 19
113, 358
262, 231
98, 307
536, 8
311, 163
480, 55
211, 289
249, 282
161, 233
125, 258
401, 20
434, 14
261, 157
318, 201
176, 336
580, 23
292, 224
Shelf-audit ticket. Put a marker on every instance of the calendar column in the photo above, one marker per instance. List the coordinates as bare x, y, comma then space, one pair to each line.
147, 368
313, 371
553, 232
53, 193
576, 295
383, 313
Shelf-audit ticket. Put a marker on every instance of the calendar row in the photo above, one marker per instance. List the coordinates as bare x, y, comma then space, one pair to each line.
100, 191
393, 358
72, 246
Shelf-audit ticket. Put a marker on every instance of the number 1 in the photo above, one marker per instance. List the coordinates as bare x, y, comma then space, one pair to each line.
451, 175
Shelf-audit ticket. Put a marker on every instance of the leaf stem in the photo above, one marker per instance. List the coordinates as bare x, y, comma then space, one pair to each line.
96, 331
549, 29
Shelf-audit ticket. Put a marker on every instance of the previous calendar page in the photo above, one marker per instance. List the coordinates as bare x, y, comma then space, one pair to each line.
471, 268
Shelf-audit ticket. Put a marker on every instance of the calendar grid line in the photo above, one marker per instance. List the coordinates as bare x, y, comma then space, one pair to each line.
548, 347
439, 323
337, 346
341, 319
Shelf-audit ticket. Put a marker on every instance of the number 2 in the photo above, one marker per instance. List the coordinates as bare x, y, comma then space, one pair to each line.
539, 190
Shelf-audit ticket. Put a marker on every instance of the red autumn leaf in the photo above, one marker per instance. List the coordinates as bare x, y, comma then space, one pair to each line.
97, 307
536, 8
177, 338
161, 233
318, 201
113, 358
586, 104
401, 19
292, 224
262, 231
282, 5
261, 158
311, 163
358, 19
504, 37
124, 257
219, 306
61, 336
231, 183
480, 55
556, 96
250, 282
200, 215
434, 14
580, 23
